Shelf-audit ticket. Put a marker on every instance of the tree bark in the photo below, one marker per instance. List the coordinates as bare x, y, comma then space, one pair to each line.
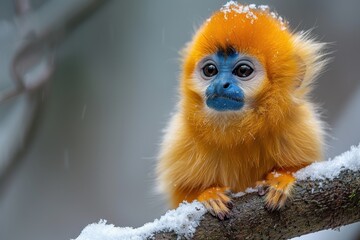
315, 205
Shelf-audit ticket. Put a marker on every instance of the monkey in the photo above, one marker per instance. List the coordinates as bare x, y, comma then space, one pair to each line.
244, 117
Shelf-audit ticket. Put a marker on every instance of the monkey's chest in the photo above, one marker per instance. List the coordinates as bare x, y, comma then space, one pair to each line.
238, 169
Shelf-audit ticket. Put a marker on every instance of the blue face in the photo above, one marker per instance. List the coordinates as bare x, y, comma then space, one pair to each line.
224, 73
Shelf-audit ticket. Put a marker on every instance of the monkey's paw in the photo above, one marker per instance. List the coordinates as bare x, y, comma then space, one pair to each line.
217, 201
277, 186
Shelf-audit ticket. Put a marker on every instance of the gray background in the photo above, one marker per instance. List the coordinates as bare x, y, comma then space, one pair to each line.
93, 153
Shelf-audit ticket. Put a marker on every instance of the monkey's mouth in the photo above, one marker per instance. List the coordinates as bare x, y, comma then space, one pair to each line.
230, 98
224, 102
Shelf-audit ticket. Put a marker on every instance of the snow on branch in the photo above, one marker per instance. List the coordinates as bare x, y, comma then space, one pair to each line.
182, 221
326, 195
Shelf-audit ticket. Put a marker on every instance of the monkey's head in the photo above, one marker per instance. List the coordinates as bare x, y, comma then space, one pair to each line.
245, 65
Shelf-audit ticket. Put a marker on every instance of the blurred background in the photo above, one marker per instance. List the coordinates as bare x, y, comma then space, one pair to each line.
98, 121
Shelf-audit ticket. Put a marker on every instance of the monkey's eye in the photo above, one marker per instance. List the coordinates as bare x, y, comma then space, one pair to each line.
243, 70
209, 70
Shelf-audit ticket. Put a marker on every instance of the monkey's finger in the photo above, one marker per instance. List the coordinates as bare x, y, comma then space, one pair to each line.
214, 205
275, 199
224, 198
220, 209
282, 200
225, 212
262, 187
227, 191
222, 206
216, 209
230, 204
270, 194
209, 208
288, 188
269, 204
262, 190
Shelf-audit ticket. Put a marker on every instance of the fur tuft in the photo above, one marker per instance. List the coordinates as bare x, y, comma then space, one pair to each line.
312, 58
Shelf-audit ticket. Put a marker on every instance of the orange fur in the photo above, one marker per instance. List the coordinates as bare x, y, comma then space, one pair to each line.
280, 184
279, 128
216, 200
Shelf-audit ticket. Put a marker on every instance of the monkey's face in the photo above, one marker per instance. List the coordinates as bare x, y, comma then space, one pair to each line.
241, 59
228, 79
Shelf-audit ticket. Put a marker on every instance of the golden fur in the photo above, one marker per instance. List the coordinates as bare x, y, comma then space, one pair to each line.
278, 129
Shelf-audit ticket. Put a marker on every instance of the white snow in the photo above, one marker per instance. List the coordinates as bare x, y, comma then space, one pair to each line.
276, 174
263, 7
183, 221
331, 168
248, 10
241, 9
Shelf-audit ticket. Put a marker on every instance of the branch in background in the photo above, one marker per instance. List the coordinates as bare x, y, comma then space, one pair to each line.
326, 195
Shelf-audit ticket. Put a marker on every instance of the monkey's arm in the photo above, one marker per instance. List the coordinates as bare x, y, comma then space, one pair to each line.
293, 149
184, 181
186, 173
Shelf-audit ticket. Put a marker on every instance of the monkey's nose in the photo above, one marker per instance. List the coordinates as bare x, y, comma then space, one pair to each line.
226, 85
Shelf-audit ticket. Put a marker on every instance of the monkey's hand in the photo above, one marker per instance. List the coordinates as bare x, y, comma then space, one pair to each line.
217, 201
278, 184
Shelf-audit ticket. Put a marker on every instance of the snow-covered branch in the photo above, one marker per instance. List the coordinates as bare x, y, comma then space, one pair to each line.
326, 195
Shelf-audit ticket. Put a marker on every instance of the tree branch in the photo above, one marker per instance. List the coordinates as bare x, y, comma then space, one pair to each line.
315, 205
326, 195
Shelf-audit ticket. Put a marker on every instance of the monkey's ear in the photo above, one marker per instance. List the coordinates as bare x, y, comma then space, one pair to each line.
301, 71
311, 60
